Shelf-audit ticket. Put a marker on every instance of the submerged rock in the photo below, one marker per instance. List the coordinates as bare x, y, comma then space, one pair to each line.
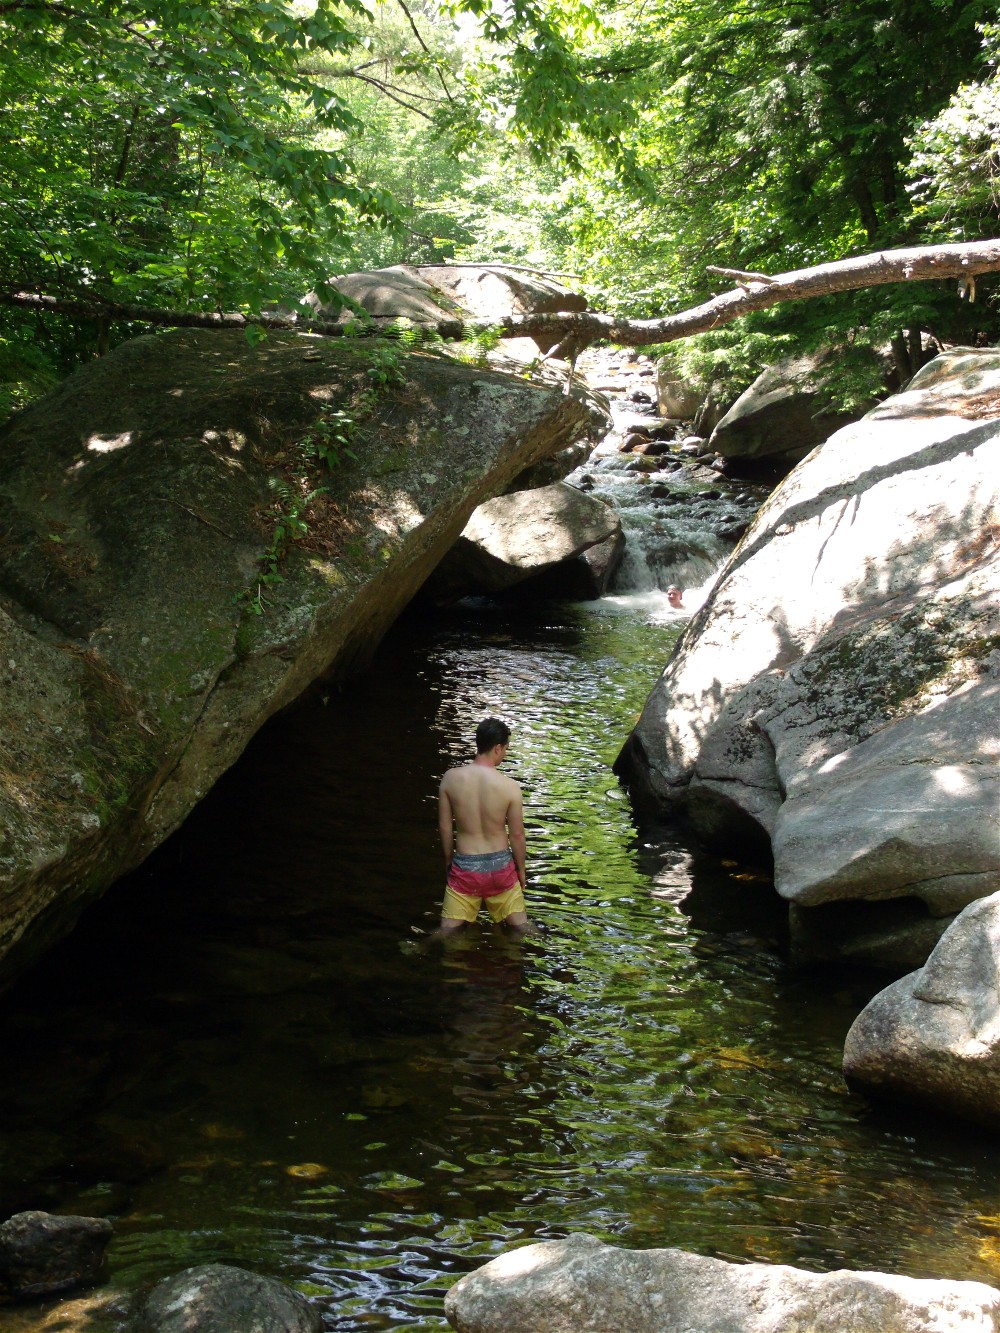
837, 695
933, 1037
217, 1298
580, 1285
547, 533
42, 1253
139, 502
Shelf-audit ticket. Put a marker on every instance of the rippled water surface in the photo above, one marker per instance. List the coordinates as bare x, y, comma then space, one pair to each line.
253, 1052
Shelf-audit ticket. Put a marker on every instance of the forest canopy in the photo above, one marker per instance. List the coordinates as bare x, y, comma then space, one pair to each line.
229, 156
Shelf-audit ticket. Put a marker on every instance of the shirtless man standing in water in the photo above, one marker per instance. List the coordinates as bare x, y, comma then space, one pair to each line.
481, 822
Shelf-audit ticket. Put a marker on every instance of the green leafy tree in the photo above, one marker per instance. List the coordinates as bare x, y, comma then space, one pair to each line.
955, 167
165, 151
776, 137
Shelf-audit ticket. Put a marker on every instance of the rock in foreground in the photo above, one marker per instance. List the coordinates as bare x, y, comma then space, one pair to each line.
217, 1298
580, 1285
42, 1253
179, 563
933, 1037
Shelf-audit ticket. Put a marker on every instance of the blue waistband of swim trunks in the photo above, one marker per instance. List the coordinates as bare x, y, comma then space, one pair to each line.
481, 862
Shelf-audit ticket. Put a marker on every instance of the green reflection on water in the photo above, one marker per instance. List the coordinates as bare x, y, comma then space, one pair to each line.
246, 1054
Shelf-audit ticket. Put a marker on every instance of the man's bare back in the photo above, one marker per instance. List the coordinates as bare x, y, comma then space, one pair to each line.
480, 815
479, 798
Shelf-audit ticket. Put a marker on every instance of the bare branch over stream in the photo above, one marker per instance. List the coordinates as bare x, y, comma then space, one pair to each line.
963, 262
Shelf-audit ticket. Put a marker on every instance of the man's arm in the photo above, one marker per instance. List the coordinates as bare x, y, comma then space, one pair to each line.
446, 824
515, 835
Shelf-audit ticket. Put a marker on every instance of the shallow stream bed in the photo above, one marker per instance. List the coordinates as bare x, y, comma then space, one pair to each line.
253, 1052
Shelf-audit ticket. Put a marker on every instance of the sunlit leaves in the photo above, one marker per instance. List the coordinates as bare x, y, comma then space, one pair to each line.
167, 148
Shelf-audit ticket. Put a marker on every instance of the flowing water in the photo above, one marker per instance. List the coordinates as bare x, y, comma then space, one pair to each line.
254, 1052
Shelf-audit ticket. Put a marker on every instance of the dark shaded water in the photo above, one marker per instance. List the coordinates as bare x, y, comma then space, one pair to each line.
248, 1053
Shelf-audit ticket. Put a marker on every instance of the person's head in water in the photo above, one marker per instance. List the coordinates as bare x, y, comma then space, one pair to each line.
490, 733
675, 595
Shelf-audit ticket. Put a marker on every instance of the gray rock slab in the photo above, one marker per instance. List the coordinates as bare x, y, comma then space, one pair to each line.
909, 811
783, 414
933, 1037
581, 1285
429, 293
838, 689
524, 535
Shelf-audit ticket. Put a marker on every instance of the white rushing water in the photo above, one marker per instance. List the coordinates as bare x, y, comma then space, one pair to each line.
680, 519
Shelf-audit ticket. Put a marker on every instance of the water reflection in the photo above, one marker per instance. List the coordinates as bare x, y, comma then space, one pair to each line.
254, 1052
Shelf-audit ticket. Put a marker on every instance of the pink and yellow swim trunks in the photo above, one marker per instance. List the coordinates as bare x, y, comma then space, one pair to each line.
475, 879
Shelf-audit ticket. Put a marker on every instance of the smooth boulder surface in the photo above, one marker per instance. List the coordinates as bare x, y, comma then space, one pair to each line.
546, 532
580, 1285
42, 1253
429, 293
217, 1298
933, 1037
783, 414
837, 695
139, 500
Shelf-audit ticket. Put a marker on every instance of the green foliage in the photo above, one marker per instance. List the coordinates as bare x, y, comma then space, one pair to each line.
165, 152
200, 155
159, 148
956, 156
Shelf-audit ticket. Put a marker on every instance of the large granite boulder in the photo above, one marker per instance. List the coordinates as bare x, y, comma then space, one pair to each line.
429, 293
218, 1298
555, 534
933, 1037
837, 695
41, 1253
149, 622
580, 1285
783, 415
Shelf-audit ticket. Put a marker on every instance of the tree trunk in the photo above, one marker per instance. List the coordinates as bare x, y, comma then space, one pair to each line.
901, 358
754, 291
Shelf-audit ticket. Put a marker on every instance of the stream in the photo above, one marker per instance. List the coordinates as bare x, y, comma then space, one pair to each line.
254, 1051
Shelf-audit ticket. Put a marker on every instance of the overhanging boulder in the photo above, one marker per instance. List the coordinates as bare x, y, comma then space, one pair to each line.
138, 501
837, 694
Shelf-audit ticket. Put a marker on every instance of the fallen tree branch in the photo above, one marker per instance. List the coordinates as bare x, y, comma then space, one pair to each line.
925, 263
739, 275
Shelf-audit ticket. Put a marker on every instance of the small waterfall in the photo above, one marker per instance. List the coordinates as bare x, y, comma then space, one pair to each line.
680, 518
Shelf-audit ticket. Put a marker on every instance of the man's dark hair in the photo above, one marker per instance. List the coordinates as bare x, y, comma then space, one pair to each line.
491, 731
